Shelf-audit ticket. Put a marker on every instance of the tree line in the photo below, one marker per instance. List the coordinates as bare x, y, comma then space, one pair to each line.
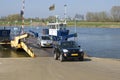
112, 16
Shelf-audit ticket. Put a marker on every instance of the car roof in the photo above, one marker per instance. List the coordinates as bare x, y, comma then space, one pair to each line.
45, 36
65, 42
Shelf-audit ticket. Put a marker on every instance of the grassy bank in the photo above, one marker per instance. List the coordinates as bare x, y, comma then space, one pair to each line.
19, 23
70, 23
96, 24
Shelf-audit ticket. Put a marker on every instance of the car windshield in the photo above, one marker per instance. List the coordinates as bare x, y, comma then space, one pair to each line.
70, 44
45, 38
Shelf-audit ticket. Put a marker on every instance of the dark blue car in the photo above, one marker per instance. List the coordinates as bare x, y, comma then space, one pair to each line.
68, 50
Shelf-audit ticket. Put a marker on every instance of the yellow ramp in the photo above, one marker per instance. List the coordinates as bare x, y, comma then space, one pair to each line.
4, 43
27, 49
18, 43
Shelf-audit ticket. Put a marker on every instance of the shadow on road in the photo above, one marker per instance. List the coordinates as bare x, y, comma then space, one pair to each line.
75, 60
87, 59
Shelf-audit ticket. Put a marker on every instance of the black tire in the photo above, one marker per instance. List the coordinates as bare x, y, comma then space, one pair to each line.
81, 58
55, 56
40, 45
61, 58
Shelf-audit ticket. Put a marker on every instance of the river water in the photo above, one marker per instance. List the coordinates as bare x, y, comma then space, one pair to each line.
100, 42
96, 42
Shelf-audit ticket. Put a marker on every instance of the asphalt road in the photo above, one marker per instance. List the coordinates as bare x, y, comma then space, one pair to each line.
46, 68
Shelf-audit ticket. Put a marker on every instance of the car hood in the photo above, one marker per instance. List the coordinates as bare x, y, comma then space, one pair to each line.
72, 49
46, 41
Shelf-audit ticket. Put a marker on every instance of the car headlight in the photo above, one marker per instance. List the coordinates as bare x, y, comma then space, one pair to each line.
65, 50
43, 42
80, 50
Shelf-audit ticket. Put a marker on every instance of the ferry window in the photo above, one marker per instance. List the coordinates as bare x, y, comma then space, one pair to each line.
62, 26
57, 27
53, 27
4, 33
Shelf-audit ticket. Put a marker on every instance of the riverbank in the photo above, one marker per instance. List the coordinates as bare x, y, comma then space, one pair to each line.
96, 24
69, 23
26, 23
46, 68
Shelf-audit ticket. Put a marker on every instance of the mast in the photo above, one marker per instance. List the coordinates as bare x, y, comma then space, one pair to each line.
22, 16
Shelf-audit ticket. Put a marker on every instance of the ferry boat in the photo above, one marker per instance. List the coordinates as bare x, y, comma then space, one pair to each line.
5, 37
57, 30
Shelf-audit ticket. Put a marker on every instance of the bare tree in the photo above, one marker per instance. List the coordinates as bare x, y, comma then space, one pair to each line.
115, 12
90, 16
79, 17
103, 16
13, 17
98, 16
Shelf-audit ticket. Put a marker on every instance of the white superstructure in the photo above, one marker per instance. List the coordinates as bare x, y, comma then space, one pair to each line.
54, 27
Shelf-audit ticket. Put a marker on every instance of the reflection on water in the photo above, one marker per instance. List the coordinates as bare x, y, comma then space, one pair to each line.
8, 52
100, 42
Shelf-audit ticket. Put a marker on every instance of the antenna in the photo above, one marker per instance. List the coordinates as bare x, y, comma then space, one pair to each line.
65, 6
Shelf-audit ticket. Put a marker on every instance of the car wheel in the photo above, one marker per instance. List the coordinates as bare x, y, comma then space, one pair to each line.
40, 45
55, 56
81, 58
61, 58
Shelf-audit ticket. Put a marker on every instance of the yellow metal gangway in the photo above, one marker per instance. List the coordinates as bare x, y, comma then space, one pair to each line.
4, 43
19, 43
27, 49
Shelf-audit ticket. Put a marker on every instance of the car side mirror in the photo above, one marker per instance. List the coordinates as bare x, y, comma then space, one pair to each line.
79, 46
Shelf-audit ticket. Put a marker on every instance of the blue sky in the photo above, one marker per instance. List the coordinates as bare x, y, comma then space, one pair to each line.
40, 8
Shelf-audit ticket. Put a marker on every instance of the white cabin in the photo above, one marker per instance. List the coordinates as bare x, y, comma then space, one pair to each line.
55, 27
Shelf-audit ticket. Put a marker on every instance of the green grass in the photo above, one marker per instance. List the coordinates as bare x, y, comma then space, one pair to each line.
19, 23
70, 23
96, 24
